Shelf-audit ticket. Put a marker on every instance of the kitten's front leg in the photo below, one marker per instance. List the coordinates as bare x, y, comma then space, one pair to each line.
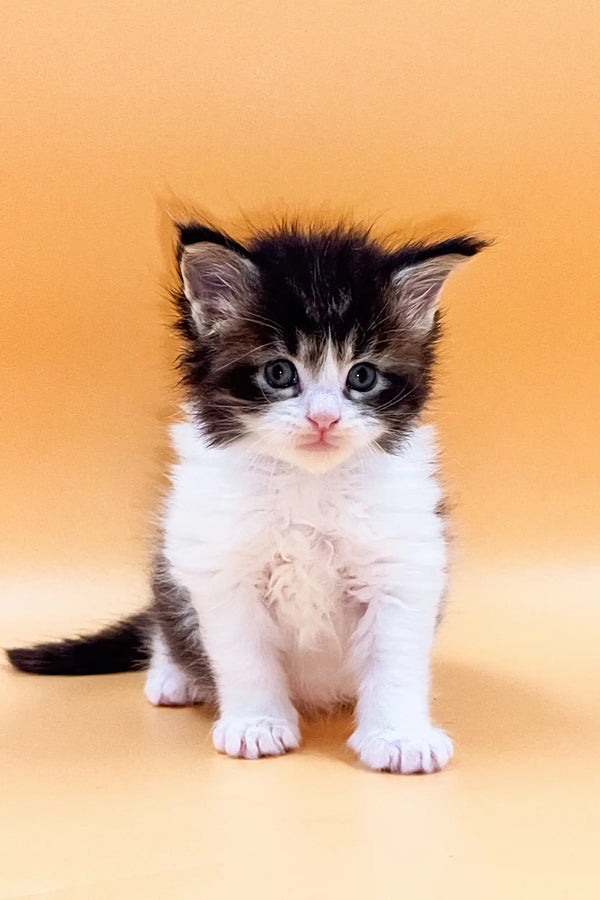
256, 717
394, 731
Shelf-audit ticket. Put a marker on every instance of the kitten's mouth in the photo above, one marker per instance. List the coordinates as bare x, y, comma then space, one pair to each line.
319, 444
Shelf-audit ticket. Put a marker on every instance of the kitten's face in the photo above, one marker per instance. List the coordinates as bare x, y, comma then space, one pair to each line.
310, 347
321, 406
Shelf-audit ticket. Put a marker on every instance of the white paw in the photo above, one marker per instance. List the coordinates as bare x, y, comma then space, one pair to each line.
254, 737
424, 749
169, 687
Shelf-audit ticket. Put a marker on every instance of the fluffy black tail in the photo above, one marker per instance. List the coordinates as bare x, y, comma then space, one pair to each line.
117, 648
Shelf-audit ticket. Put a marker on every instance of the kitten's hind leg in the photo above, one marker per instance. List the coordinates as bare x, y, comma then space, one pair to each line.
167, 684
179, 673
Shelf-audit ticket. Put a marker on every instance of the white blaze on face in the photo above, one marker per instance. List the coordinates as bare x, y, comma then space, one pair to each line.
323, 394
283, 429
323, 405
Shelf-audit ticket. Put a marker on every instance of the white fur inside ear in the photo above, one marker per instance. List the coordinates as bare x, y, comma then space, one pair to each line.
216, 282
419, 287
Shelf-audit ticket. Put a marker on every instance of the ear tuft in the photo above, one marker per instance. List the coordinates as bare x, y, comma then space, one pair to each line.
197, 233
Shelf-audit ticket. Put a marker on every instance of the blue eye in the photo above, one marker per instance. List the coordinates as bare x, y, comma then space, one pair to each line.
281, 374
362, 377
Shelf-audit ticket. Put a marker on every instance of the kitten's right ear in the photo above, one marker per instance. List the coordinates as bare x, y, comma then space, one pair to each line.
216, 274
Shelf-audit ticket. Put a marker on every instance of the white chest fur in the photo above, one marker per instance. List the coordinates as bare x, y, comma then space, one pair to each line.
315, 550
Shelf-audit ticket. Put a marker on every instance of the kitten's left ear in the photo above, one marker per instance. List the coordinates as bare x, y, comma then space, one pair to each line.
419, 273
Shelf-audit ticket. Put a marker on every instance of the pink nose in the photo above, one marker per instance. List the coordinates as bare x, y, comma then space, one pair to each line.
323, 421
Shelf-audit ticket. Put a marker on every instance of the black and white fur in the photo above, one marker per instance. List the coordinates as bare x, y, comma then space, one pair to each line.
303, 554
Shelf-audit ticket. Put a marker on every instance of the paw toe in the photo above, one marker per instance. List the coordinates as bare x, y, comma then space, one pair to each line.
425, 750
169, 690
254, 738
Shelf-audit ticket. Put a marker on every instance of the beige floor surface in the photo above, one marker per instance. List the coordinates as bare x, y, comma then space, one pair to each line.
106, 797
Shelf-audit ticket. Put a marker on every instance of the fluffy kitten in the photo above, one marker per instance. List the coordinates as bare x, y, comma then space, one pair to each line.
303, 553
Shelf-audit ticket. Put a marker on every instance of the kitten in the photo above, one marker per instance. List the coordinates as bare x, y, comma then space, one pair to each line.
303, 554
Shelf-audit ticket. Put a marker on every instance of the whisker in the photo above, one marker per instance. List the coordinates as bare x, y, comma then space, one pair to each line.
398, 398
231, 362
256, 319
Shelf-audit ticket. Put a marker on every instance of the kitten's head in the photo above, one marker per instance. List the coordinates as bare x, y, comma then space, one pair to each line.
310, 346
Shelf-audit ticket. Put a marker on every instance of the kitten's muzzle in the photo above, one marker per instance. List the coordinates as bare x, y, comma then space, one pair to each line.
322, 422
320, 440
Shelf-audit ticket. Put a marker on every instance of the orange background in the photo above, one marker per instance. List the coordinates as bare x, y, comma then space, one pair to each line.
430, 116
